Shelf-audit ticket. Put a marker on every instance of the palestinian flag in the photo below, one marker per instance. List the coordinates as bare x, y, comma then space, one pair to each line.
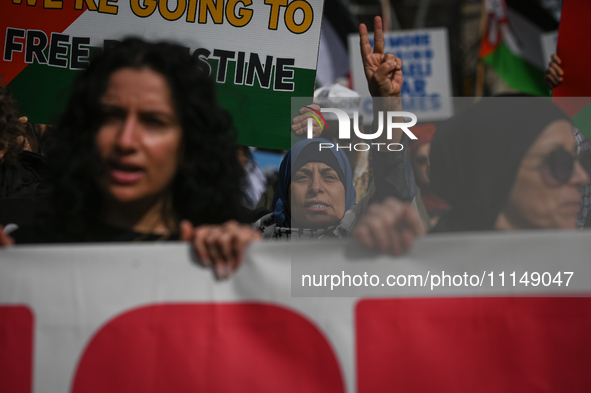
260, 54
511, 44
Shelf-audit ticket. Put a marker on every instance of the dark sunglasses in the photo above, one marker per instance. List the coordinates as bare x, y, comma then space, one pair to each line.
559, 165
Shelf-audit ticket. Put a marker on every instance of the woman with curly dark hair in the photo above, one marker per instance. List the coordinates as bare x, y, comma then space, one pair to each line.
142, 146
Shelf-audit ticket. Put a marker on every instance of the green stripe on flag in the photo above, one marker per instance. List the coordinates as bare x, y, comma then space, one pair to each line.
582, 121
518, 73
42, 91
263, 116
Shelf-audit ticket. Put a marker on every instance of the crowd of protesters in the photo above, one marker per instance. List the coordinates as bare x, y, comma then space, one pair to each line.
143, 152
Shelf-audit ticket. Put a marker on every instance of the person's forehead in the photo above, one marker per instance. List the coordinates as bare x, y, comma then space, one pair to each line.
316, 165
147, 84
557, 134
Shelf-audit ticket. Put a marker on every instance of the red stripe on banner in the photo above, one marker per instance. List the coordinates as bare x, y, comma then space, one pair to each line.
474, 345
23, 16
16, 349
209, 348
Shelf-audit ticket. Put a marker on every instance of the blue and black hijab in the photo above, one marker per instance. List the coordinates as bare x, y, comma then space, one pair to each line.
301, 153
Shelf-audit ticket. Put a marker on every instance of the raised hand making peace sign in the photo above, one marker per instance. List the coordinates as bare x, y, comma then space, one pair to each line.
383, 71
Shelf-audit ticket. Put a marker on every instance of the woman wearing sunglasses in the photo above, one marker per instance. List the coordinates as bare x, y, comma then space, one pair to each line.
508, 163
504, 164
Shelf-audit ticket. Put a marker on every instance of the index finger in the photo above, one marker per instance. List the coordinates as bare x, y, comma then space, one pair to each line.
186, 229
378, 36
199, 244
364, 41
241, 241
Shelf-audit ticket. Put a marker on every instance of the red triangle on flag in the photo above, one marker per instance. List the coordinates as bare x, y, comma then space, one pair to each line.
23, 16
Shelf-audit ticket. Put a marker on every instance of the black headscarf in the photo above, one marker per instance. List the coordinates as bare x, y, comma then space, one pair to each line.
476, 154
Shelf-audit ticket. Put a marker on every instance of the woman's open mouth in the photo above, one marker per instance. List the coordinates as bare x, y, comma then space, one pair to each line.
125, 173
316, 206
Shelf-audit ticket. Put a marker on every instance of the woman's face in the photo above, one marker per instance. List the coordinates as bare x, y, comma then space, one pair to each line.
538, 198
140, 139
317, 196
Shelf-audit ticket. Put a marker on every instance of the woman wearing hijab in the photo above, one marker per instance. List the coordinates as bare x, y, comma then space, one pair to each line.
314, 194
316, 199
507, 163
297, 204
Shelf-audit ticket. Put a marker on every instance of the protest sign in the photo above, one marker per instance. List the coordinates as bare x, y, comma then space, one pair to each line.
130, 318
426, 71
260, 53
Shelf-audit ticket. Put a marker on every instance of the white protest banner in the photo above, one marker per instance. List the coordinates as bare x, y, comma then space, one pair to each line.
261, 53
426, 71
147, 318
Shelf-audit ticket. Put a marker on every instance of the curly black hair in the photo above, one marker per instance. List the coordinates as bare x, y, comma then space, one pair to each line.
10, 128
206, 188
